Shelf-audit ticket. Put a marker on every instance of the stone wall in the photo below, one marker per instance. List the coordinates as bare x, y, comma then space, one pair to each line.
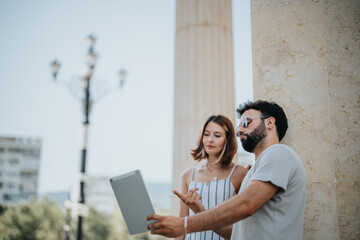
306, 57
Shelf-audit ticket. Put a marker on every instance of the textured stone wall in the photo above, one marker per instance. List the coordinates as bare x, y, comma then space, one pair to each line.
306, 57
204, 79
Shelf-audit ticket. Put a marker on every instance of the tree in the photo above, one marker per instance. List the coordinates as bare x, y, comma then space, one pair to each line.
44, 220
32, 221
2, 209
96, 225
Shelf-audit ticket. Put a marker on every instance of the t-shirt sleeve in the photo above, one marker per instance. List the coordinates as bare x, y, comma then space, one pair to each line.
275, 166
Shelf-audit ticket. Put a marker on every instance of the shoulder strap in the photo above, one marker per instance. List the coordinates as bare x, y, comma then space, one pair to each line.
232, 171
192, 174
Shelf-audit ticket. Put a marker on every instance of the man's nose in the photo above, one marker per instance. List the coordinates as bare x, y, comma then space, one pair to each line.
239, 130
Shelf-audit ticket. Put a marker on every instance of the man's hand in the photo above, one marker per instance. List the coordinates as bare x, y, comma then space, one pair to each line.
192, 200
167, 226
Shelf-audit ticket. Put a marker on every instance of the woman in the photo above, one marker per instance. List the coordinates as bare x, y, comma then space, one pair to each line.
215, 179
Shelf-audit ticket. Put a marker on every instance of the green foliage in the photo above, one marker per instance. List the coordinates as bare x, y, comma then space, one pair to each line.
96, 226
2, 209
32, 221
44, 220
118, 226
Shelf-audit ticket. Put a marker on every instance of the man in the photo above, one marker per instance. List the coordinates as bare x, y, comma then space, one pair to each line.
271, 200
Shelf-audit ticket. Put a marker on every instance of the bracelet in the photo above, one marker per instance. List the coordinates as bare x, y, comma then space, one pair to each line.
185, 224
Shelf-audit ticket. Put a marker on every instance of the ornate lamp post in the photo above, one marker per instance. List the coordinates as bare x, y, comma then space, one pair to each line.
87, 95
66, 227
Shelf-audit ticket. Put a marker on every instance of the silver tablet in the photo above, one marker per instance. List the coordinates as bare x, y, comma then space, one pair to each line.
134, 201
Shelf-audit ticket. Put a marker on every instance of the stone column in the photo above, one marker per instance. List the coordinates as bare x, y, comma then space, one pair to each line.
306, 57
204, 79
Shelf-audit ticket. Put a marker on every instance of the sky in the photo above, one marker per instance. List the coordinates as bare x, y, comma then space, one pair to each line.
130, 128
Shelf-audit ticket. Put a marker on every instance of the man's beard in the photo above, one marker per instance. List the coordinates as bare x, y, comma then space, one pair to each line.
253, 139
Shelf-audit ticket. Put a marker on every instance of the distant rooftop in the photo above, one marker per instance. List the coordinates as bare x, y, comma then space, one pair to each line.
20, 140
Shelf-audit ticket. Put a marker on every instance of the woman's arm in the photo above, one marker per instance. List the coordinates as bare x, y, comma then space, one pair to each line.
238, 176
191, 200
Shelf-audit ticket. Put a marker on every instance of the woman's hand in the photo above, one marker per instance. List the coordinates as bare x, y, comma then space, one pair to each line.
192, 200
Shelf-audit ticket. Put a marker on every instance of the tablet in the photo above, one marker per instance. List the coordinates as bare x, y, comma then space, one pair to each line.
133, 200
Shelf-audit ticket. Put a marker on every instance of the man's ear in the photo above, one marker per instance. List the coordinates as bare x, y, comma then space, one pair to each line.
270, 123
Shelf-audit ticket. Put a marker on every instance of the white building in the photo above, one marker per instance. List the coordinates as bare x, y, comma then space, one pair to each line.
19, 168
98, 194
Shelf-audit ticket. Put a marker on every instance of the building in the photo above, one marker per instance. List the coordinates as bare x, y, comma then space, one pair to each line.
19, 169
98, 194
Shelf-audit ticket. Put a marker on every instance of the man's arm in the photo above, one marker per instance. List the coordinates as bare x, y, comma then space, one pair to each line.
184, 210
224, 232
192, 200
241, 206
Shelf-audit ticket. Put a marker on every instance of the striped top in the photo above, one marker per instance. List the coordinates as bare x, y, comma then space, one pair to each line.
212, 194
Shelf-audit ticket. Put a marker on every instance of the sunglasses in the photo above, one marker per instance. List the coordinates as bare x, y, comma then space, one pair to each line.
245, 122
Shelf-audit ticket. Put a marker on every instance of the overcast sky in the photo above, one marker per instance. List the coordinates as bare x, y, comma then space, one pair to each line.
130, 128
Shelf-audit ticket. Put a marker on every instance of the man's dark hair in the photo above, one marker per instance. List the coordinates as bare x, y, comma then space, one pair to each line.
267, 109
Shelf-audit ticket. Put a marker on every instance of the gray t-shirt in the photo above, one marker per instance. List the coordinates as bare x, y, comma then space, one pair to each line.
280, 218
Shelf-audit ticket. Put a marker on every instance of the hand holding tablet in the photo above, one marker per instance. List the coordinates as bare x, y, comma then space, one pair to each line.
133, 200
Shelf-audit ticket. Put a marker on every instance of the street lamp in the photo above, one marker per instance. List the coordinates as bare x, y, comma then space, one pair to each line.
87, 96
55, 66
122, 74
66, 227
